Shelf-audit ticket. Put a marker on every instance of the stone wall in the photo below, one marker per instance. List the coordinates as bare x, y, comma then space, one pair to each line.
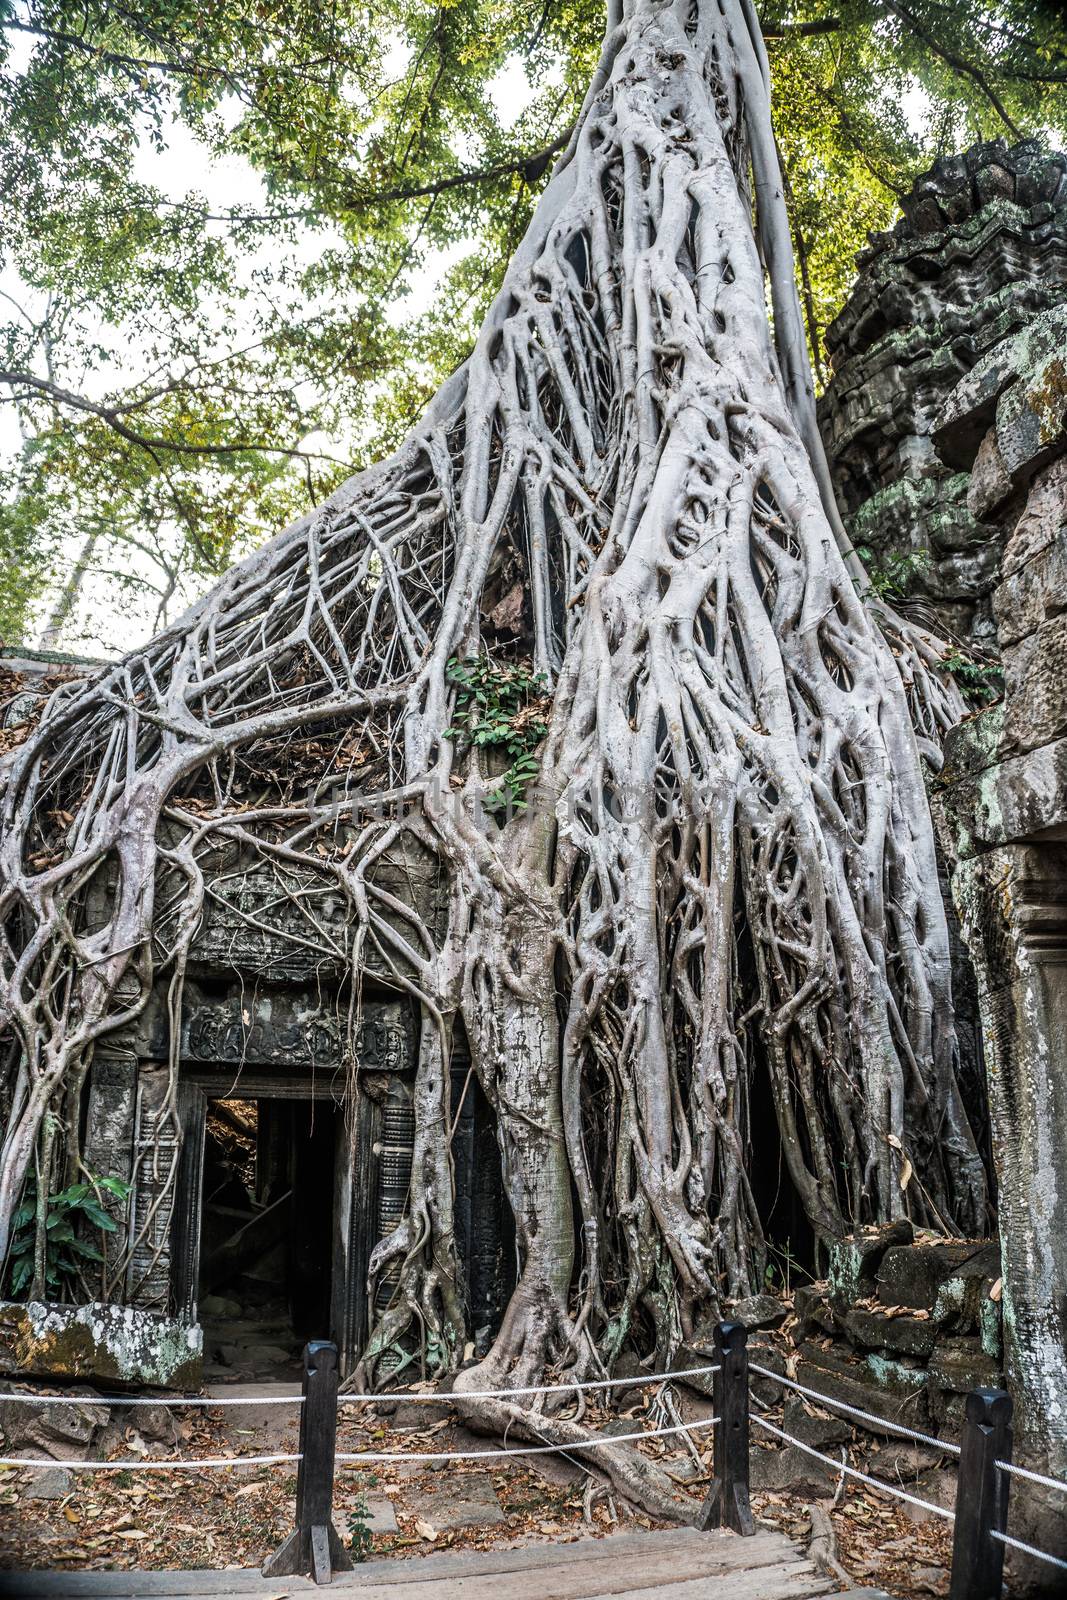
1004, 807
981, 249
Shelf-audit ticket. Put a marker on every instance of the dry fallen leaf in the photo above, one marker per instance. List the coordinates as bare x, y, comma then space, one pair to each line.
425, 1530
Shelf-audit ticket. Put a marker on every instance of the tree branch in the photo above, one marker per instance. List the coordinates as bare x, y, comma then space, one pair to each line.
801, 30
112, 415
957, 63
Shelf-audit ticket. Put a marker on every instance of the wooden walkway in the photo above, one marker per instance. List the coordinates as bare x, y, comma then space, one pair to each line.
674, 1565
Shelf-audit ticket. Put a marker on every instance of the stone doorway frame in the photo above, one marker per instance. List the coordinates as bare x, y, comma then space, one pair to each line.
356, 1162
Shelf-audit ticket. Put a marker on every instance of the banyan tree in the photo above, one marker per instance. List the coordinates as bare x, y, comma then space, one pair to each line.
593, 643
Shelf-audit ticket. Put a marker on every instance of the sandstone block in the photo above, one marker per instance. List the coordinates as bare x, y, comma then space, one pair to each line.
873, 1330
820, 1431
990, 485
108, 1343
1031, 594
1032, 417
812, 1306
855, 1260
466, 1501
759, 1311
960, 1365
62, 1428
789, 1468
912, 1275
1035, 674
48, 1483
880, 1385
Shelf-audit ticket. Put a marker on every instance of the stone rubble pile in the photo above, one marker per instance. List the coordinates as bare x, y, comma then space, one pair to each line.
904, 1326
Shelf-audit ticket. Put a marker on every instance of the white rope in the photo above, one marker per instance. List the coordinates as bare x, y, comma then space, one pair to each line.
148, 1466
521, 1450
853, 1472
145, 1400
1032, 1477
868, 1416
437, 1397
1027, 1549
434, 1397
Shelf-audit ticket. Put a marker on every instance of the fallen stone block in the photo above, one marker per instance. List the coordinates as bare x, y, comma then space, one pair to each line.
855, 1260
961, 1365
877, 1384
820, 1431
759, 1311
813, 1310
107, 1343
874, 1330
63, 1429
467, 1501
913, 1275
50, 1483
789, 1469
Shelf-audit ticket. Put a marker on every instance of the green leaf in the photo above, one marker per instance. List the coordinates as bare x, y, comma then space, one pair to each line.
119, 1187
82, 1247
94, 1213
21, 1273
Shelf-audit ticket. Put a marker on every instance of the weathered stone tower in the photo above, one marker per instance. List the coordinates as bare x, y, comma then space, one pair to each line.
980, 250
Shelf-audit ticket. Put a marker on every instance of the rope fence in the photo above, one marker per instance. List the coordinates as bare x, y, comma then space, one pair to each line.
429, 1397
1028, 1550
854, 1411
854, 1472
521, 1449
148, 1465
985, 1468
1032, 1477
171, 1404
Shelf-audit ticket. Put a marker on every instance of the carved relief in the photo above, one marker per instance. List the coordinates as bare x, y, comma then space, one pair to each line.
292, 1031
156, 1144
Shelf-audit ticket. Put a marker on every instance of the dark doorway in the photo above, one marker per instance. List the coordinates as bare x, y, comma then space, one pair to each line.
790, 1238
267, 1233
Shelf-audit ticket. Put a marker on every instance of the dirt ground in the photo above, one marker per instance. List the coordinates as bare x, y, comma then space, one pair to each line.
234, 1517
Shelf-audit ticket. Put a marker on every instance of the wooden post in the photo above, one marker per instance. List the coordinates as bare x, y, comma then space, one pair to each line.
981, 1497
314, 1547
727, 1504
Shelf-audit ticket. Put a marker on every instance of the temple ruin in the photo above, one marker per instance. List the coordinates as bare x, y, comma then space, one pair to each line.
266, 1130
979, 251
265, 1169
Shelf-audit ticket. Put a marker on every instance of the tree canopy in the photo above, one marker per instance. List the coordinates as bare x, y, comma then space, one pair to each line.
218, 227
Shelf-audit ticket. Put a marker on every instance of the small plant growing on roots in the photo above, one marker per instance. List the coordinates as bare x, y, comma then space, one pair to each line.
724, 862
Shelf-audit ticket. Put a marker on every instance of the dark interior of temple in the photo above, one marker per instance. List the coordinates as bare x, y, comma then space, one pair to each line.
267, 1233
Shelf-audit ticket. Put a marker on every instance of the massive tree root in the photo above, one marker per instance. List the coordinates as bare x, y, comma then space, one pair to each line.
725, 862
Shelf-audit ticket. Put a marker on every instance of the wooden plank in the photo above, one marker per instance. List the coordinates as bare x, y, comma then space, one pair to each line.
718, 1552
674, 1565
785, 1581
642, 1579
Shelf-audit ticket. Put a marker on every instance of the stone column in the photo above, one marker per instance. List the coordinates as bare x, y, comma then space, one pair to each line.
1004, 801
1014, 906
